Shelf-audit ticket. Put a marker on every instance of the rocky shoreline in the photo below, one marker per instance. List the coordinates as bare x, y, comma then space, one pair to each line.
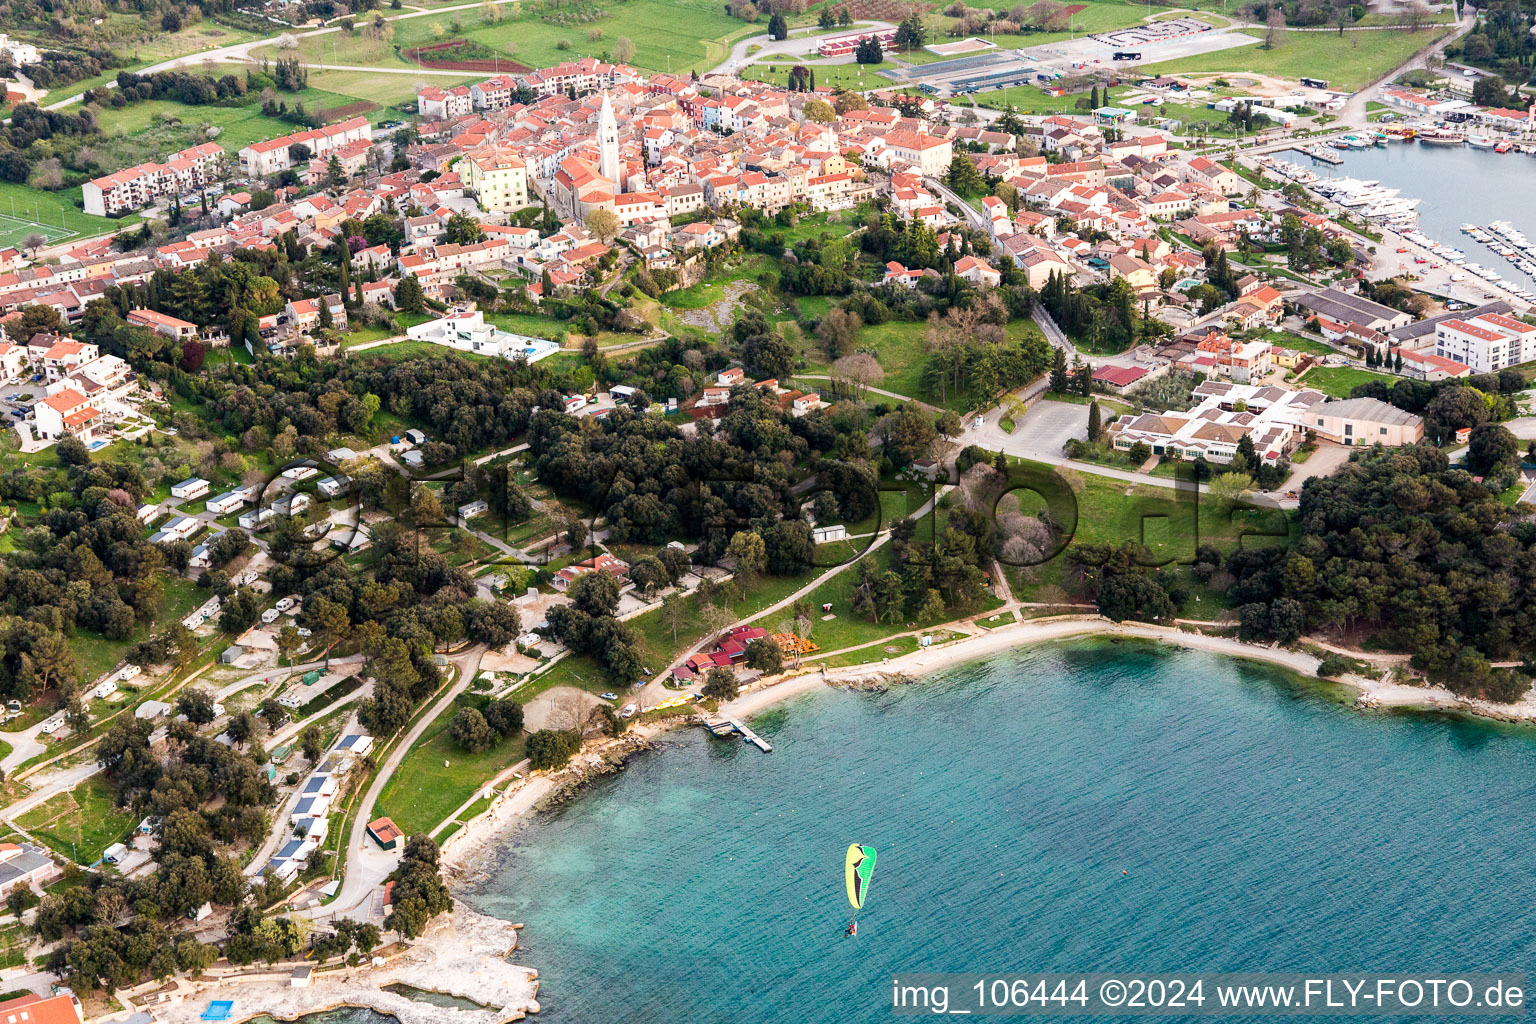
463, 954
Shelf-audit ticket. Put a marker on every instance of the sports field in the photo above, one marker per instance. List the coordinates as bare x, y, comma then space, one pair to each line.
25, 211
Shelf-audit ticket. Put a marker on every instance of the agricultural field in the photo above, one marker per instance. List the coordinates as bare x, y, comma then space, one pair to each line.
1349, 61
530, 40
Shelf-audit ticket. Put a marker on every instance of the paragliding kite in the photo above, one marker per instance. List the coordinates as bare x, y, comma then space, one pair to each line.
858, 866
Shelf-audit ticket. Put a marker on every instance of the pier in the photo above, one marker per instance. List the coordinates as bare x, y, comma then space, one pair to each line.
1319, 153
727, 726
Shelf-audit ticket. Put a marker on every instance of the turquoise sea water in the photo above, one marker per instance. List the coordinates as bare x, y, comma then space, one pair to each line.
1260, 824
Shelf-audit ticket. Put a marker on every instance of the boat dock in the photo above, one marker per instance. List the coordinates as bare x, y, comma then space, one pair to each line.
727, 726
1319, 153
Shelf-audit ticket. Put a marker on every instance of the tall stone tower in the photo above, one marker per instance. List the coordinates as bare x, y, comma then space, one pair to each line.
608, 145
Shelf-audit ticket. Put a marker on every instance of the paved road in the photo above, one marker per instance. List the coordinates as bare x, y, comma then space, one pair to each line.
367, 865
289, 732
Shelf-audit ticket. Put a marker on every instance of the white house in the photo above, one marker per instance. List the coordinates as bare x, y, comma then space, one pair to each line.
194, 487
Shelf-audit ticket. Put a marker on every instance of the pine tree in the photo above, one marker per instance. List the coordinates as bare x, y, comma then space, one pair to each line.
1059, 372
1084, 380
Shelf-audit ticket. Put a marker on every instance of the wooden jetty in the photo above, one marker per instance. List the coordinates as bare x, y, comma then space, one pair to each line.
727, 726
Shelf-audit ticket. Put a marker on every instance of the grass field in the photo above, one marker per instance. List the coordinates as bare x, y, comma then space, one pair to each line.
1171, 524
1339, 381
1349, 61
97, 654
238, 126
652, 25
438, 775
25, 210
828, 76
901, 348
80, 824
381, 87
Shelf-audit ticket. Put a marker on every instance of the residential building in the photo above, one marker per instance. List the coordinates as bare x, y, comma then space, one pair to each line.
498, 178
136, 187
1486, 343
66, 412
273, 156
162, 323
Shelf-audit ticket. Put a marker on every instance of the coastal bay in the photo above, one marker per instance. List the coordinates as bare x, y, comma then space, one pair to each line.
1007, 796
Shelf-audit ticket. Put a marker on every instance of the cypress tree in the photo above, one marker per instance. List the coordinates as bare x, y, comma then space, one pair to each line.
1095, 424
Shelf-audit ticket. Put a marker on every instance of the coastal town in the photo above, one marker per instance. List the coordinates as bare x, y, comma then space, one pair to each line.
370, 485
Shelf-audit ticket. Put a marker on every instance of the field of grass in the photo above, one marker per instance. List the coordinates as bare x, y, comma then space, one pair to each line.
1100, 16
652, 25
1170, 523
1348, 61
25, 210
437, 775
383, 88
828, 76
1339, 381
1297, 343
97, 654
850, 628
901, 348
238, 126
154, 45
80, 824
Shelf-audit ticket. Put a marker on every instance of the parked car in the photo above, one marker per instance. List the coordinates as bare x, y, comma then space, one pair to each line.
628, 711
609, 696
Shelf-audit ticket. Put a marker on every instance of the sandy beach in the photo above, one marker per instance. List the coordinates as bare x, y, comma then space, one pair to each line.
1373, 691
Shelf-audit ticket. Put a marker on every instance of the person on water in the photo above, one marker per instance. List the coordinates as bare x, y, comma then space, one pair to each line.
853, 928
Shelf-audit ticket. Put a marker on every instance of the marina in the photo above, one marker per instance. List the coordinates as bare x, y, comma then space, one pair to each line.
1495, 254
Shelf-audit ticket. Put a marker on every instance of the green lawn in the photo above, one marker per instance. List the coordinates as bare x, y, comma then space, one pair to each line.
850, 628
1170, 523
712, 289
1339, 381
82, 823
1348, 61
381, 87
437, 775
1297, 343
901, 348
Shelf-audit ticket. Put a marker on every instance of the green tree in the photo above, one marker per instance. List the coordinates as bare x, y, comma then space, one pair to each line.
471, 731
720, 683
